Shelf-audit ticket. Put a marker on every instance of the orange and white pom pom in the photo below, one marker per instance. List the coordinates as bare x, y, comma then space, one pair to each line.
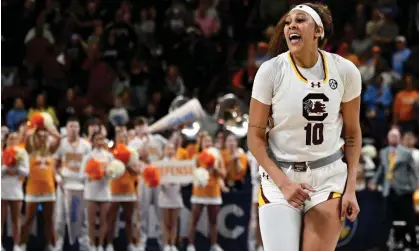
115, 169
41, 120
369, 150
127, 155
151, 176
95, 169
13, 156
200, 176
122, 153
9, 157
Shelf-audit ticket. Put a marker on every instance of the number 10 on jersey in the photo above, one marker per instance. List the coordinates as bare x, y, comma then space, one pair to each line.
314, 133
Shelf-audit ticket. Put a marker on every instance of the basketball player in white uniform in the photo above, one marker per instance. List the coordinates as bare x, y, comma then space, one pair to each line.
151, 147
310, 95
70, 206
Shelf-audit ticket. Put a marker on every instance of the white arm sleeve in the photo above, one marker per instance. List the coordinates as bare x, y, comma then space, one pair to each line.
263, 85
351, 77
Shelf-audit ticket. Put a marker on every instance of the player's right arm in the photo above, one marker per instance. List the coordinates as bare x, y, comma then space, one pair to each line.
260, 107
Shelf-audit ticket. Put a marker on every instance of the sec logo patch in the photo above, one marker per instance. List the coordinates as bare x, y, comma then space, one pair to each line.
347, 233
333, 84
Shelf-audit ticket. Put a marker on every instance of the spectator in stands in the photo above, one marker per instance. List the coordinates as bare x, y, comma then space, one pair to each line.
118, 115
145, 28
110, 51
399, 180
359, 19
373, 65
40, 30
174, 82
68, 106
374, 23
125, 37
100, 80
122, 80
386, 33
377, 100
42, 106
54, 73
361, 43
16, 115
401, 55
349, 33
207, 19
36, 49
403, 113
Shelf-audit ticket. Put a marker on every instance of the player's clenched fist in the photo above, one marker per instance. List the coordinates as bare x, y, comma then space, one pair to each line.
296, 193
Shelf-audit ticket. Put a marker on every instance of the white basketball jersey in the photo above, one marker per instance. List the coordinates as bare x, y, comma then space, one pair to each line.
72, 157
306, 111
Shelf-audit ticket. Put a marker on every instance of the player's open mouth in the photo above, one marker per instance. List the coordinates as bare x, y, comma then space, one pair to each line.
294, 38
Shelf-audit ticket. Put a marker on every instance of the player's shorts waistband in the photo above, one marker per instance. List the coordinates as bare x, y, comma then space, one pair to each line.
303, 166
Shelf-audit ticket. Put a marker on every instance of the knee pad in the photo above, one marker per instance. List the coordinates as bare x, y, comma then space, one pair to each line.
280, 227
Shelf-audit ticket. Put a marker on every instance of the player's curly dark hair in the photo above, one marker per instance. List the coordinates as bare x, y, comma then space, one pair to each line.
277, 43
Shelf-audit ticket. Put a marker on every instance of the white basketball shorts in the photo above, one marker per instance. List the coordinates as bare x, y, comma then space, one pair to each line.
329, 182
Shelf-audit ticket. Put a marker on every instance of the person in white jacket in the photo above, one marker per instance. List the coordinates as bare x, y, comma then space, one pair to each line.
12, 190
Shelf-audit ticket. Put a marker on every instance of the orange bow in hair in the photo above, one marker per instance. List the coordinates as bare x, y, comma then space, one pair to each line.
9, 157
151, 176
95, 169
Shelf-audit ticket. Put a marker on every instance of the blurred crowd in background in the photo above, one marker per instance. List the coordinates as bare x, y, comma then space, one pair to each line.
117, 60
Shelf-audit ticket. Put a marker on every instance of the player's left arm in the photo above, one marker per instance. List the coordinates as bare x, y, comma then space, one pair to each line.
351, 102
353, 139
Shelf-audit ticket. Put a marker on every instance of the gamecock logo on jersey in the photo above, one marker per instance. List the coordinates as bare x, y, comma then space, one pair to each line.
314, 107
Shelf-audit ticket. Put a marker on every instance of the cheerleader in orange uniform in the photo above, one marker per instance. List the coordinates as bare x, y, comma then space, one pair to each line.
185, 149
235, 161
41, 144
209, 196
11, 186
97, 191
123, 190
170, 200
